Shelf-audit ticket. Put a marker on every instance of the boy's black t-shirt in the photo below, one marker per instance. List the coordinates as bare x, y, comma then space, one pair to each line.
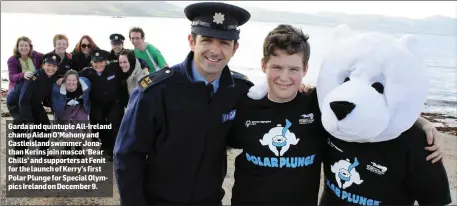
393, 172
266, 175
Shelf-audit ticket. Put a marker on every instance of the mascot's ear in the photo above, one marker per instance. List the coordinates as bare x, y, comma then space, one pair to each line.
411, 42
342, 31
258, 91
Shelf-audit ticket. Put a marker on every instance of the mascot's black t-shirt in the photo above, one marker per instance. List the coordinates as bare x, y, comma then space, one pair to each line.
385, 173
282, 151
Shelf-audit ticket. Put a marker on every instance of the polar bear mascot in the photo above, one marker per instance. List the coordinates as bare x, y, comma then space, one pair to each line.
371, 89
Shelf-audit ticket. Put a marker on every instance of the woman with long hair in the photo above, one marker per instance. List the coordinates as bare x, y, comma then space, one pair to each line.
133, 70
81, 53
24, 62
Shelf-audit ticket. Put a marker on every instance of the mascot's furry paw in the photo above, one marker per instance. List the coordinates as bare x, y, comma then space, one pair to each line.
258, 91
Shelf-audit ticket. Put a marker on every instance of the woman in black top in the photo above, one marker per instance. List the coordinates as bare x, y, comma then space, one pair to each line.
81, 54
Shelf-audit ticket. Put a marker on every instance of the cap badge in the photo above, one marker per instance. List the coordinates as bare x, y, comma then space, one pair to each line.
115, 37
218, 18
54, 57
97, 54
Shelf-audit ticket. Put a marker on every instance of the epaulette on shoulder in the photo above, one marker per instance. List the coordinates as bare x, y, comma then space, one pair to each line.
240, 76
36, 74
112, 61
154, 78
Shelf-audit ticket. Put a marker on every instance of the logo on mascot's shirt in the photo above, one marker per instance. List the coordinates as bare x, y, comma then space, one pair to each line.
279, 139
346, 176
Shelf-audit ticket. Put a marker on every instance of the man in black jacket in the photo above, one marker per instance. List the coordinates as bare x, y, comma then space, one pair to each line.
171, 145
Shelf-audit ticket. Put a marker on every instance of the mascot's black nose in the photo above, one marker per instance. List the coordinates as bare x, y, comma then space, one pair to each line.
342, 108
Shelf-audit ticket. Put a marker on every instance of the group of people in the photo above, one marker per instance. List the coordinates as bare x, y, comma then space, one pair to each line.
171, 146
87, 84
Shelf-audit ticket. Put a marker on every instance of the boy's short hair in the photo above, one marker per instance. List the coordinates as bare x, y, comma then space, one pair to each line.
59, 37
289, 39
136, 29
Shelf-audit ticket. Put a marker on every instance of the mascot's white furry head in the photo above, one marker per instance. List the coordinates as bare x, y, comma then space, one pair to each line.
371, 87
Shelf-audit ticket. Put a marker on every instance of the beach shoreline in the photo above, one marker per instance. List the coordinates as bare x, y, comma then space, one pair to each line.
443, 122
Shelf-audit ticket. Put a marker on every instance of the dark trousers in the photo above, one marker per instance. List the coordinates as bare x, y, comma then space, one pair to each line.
39, 117
105, 113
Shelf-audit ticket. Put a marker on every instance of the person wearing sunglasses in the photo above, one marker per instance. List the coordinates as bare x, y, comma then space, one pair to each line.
81, 53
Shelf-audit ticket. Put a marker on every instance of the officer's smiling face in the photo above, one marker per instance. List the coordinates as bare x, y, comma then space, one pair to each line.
99, 66
49, 69
117, 47
211, 55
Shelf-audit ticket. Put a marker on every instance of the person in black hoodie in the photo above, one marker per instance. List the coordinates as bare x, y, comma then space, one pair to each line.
81, 54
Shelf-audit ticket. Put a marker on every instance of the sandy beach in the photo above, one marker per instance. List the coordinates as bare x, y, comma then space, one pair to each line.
444, 123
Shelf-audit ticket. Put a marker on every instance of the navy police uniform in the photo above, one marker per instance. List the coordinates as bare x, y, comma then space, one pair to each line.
26, 99
171, 145
105, 96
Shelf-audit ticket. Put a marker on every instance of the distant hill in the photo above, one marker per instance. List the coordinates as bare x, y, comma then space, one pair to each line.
432, 25
108, 8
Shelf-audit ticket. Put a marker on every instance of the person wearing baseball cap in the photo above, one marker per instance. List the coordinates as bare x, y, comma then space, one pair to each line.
171, 144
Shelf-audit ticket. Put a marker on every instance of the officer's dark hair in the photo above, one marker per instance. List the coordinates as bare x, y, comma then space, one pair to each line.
16, 48
130, 54
136, 29
289, 39
194, 36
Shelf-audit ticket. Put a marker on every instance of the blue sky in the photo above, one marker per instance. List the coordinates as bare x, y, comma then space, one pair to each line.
409, 9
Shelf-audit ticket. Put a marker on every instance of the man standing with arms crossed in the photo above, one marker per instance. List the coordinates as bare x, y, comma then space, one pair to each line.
171, 145
146, 51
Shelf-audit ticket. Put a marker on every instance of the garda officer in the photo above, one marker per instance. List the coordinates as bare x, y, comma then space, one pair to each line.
117, 45
171, 145
64, 65
26, 99
104, 96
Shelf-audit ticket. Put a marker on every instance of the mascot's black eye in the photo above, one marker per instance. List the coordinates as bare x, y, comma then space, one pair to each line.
379, 87
347, 79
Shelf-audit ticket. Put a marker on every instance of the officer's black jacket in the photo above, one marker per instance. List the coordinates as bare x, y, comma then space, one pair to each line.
28, 94
171, 144
64, 65
112, 56
105, 88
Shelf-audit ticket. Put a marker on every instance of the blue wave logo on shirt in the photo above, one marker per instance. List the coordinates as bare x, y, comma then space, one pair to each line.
279, 139
345, 176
